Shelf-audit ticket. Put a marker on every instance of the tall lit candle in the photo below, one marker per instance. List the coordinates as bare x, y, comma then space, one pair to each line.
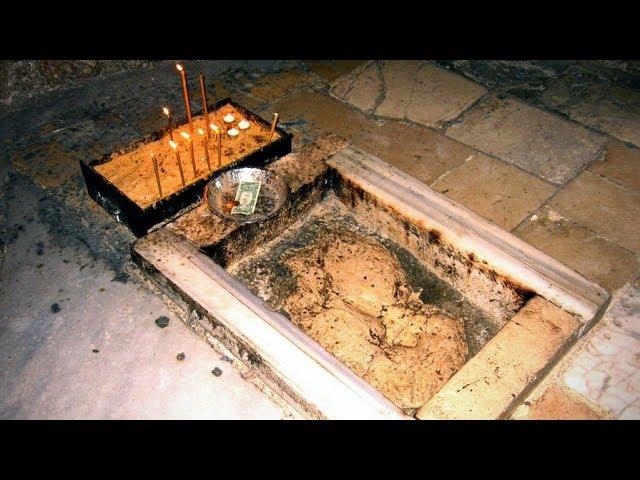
193, 157
218, 132
155, 168
203, 94
174, 145
166, 111
205, 142
273, 125
185, 94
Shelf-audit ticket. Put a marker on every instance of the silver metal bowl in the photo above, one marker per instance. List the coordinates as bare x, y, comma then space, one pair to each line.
221, 190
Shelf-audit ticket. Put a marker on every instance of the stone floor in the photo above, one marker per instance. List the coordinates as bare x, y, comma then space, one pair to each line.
545, 149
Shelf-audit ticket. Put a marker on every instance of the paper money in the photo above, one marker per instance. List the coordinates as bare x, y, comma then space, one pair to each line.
247, 196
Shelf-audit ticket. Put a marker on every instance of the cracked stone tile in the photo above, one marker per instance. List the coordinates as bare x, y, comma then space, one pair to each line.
498, 191
619, 163
604, 262
556, 404
418, 151
363, 88
331, 70
605, 367
410, 90
538, 142
601, 105
604, 207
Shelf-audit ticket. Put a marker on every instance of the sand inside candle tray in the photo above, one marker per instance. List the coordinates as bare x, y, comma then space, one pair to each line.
133, 172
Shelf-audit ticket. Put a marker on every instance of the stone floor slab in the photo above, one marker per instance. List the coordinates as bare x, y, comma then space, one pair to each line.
536, 141
487, 385
604, 262
332, 70
522, 78
620, 163
500, 192
363, 88
409, 90
78, 342
606, 208
556, 404
601, 105
419, 151
270, 87
606, 368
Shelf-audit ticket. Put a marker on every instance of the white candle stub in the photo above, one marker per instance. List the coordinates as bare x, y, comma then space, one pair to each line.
229, 118
244, 124
234, 132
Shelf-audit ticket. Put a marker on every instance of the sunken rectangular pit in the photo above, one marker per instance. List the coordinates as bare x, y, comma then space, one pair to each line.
369, 295
124, 181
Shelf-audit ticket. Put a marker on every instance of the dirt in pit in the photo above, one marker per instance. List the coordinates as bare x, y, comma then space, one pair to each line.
361, 298
133, 172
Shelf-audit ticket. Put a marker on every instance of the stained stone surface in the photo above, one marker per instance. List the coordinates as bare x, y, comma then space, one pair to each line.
409, 90
604, 207
496, 190
601, 105
272, 86
606, 367
557, 404
538, 142
29, 78
65, 240
80, 342
604, 262
524, 79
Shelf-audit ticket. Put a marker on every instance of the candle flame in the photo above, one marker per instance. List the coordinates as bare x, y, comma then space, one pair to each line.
201, 131
179, 67
153, 155
165, 110
173, 144
185, 135
214, 127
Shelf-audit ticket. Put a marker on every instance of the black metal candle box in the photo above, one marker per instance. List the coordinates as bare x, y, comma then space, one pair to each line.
139, 220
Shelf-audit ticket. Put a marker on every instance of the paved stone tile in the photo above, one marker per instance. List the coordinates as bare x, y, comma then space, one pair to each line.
331, 70
619, 163
488, 384
604, 106
556, 404
524, 79
272, 86
536, 141
498, 191
604, 262
48, 366
409, 90
363, 88
606, 368
418, 151
608, 209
